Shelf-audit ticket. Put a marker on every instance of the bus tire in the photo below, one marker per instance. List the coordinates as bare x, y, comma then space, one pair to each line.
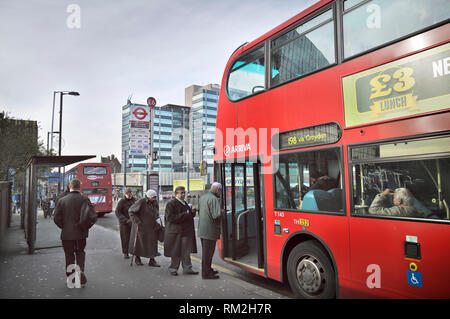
101, 214
310, 272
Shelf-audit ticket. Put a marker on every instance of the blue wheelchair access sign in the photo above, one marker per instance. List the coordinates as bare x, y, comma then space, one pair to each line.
415, 278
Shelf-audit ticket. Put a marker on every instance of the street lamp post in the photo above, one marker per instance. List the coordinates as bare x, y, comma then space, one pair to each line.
60, 124
60, 116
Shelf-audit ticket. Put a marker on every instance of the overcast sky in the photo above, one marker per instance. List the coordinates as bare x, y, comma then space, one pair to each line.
140, 47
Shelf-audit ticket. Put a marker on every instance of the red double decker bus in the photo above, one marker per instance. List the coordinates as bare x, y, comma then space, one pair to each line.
333, 147
95, 181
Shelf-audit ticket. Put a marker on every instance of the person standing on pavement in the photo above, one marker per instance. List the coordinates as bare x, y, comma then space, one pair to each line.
144, 233
75, 215
179, 239
125, 220
209, 228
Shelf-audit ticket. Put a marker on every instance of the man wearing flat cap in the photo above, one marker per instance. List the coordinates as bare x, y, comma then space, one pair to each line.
144, 234
125, 220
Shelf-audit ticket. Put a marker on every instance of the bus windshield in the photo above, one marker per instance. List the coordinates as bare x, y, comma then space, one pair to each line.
94, 170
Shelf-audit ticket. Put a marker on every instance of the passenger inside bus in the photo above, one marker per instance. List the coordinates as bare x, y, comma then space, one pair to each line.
403, 202
427, 180
324, 183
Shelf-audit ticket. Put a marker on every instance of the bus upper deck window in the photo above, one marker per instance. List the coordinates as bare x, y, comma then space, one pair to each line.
374, 23
247, 75
307, 48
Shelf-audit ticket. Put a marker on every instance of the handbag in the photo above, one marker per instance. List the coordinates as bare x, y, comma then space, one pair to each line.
161, 231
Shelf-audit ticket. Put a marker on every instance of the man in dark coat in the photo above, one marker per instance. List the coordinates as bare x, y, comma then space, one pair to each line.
75, 214
125, 220
179, 239
144, 214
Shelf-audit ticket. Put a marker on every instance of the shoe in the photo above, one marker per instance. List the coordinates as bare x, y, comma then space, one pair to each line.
83, 279
138, 262
190, 272
210, 276
214, 272
174, 273
126, 256
153, 263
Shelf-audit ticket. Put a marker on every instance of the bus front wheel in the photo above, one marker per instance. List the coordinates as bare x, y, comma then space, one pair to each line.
310, 272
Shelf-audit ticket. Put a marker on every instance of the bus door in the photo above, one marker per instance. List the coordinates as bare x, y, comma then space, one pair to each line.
242, 234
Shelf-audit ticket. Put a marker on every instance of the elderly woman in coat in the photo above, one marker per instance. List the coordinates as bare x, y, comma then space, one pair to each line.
144, 214
179, 239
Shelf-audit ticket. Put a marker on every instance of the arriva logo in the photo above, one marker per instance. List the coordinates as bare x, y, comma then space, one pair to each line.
227, 150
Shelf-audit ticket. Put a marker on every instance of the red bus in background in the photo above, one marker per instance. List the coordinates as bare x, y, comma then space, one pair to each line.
95, 181
318, 117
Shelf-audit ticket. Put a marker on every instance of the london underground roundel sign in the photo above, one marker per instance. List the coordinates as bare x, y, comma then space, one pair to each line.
140, 113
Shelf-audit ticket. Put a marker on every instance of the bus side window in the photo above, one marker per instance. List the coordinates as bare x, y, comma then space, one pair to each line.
361, 35
428, 180
247, 75
309, 180
305, 49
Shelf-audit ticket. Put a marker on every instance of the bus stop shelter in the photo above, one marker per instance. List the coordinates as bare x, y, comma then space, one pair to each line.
30, 192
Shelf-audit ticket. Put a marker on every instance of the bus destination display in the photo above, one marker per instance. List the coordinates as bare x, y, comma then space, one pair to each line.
328, 133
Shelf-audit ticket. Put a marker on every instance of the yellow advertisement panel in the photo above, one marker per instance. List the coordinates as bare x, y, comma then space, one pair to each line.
413, 85
194, 184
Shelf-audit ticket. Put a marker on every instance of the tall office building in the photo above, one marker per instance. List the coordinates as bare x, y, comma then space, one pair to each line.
171, 137
203, 101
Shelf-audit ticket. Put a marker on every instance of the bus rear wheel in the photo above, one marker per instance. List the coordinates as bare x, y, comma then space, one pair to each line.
310, 272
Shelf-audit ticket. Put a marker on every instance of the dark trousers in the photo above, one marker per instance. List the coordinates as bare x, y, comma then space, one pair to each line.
185, 258
125, 232
74, 251
208, 249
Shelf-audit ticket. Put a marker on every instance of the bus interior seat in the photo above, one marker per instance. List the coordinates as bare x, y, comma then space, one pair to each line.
422, 209
309, 201
318, 199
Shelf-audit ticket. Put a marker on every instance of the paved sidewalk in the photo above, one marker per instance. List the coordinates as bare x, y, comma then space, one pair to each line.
42, 274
